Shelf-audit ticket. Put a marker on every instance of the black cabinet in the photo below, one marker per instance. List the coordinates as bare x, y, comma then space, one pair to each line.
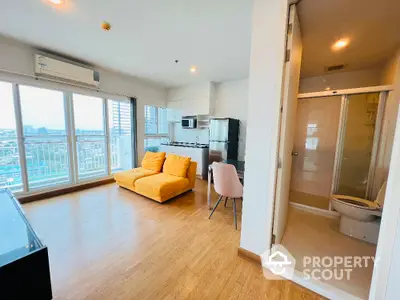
24, 261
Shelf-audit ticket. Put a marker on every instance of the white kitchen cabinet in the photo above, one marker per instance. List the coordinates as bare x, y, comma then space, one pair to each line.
195, 106
195, 99
174, 111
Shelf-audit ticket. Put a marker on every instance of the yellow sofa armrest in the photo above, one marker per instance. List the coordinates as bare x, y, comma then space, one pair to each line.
191, 174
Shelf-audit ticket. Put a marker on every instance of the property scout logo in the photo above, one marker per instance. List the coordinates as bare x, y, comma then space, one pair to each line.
279, 264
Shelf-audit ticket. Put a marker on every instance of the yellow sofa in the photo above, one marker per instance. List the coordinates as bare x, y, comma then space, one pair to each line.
154, 180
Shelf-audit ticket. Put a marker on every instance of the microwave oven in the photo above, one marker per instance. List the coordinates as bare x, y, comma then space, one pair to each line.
189, 123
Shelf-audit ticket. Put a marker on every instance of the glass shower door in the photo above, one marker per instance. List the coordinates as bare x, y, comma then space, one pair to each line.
314, 150
357, 144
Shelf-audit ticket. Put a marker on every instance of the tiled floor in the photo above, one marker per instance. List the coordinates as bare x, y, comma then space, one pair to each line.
308, 234
309, 199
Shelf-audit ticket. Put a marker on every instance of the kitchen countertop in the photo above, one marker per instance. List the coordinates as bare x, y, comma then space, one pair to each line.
187, 145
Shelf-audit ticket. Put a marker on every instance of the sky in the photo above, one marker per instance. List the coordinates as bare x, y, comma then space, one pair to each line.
45, 108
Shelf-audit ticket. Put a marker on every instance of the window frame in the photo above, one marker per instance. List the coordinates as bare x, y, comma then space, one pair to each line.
155, 135
67, 90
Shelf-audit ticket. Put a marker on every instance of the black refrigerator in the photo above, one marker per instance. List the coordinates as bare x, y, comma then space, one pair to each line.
224, 139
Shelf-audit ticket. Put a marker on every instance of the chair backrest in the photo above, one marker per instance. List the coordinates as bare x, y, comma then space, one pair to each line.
226, 180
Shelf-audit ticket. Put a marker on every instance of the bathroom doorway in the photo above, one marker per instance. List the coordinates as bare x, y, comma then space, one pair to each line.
337, 146
340, 147
342, 140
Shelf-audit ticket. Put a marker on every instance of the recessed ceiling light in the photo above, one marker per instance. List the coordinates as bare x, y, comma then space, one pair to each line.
57, 2
340, 44
193, 69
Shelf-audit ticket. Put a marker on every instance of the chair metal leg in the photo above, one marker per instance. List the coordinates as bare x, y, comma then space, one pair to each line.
226, 200
215, 206
234, 212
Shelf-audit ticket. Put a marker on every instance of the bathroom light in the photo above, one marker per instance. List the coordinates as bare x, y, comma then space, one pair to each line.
327, 88
340, 44
193, 69
56, 2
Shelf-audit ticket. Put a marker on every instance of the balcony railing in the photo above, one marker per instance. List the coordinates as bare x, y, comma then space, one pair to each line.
47, 160
10, 172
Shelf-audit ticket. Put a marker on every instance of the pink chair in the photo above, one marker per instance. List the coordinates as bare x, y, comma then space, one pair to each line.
226, 184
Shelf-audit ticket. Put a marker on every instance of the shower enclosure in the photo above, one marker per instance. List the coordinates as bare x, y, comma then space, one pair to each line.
336, 146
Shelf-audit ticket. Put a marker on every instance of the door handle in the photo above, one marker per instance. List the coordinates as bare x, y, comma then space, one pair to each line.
295, 153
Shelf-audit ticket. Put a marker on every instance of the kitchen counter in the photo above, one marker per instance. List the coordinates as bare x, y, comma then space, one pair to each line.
186, 145
197, 154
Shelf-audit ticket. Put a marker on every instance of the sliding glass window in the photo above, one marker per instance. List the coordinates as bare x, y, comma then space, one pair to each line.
156, 127
50, 138
90, 136
10, 168
44, 136
120, 132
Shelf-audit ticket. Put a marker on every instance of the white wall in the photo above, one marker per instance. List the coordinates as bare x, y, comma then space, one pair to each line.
232, 96
201, 136
19, 57
344, 80
265, 93
231, 101
388, 77
385, 280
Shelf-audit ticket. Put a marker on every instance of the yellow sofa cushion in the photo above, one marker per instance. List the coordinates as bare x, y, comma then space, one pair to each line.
176, 165
161, 185
153, 161
128, 178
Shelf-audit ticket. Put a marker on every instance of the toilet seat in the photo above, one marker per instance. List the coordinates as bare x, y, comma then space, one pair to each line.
356, 202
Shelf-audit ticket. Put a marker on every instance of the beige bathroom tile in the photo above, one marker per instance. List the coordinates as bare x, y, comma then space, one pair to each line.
309, 199
308, 234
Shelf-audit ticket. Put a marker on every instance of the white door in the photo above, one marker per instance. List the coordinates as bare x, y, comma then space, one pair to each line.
288, 119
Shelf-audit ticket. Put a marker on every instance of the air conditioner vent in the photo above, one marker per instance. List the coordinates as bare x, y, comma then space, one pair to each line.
335, 68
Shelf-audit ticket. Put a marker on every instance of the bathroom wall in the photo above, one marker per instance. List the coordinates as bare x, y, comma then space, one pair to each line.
390, 69
390, 76
342, 80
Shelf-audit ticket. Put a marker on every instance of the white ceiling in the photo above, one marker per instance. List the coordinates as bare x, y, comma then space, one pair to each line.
371, 25
148, 35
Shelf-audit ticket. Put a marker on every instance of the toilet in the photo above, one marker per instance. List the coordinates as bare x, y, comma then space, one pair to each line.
360, 218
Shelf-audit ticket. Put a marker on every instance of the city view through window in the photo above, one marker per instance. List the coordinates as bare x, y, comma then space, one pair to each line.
156, 127
36, 145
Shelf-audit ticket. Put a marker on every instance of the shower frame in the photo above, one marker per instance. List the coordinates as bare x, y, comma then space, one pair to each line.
383, 94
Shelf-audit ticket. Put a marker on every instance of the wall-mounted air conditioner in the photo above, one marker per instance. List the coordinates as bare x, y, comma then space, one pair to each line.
55, 68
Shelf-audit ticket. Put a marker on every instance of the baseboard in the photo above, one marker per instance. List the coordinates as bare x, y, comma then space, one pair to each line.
248, 255
318, 211
64, 190
316, 286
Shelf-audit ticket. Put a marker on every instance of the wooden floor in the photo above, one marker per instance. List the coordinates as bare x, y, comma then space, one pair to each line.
109, 243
